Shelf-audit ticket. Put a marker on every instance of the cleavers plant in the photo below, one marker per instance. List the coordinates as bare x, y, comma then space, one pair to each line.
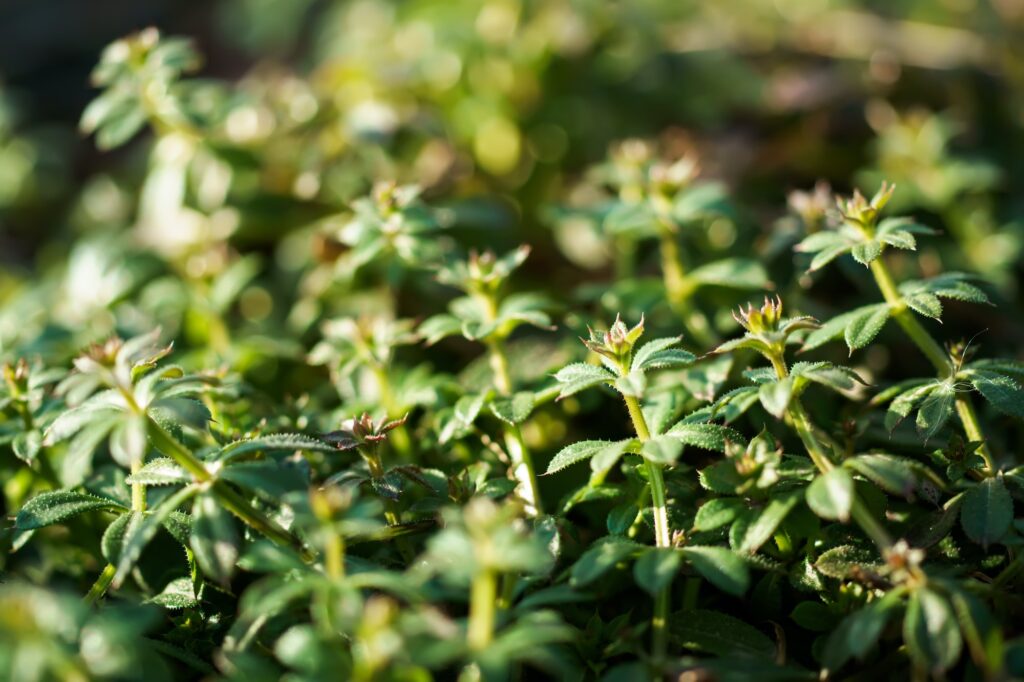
341, 477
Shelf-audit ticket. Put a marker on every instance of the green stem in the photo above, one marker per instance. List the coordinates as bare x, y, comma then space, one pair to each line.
482, 608
508, 589
819, 455
102, 584
678, 290
138, 489
231, 499
662, 533
515, 445
931, 350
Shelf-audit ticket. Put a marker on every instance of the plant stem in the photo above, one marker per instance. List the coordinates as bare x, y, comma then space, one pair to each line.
102, 584
819, 455
482, 607
662, 533
229, 497
931, 350
138, 489
515, 445
679, 290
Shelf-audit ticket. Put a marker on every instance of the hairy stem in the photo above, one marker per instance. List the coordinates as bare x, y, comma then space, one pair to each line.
662, 533
931, 350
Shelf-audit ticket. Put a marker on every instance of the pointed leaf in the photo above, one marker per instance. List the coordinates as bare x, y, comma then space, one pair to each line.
721, 567
580, 376
656, 568
930, 631
46, 509
987, 511
830, 495
577, 452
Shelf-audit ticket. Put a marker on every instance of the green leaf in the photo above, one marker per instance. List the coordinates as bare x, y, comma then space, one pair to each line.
925, 304
894, 475
866, 251
827, 255
813, 616
633, 384
952, 285
160, 471
863, 327
905, 403
600, 558
46, 509
901, 239
830, 495
835, 327
140, 535
706, 436
438, 327
515, 409
274, 442
631, 218
987, 511
930, 631
659, 354
116, 534
827, 374
580, 376
720, 634
267, 478
577, 452
935, 410
214, 538
762, 528
177, 594
840, 561
662, 449
775, 396
718, 512
721, 567
26, 445
1005, 394
859, 632
72, 421
734, 273
656, 568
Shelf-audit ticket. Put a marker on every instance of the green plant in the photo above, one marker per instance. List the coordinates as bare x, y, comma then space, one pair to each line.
340, 477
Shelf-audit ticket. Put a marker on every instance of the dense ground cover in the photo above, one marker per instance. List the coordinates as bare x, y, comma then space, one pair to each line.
521, 340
